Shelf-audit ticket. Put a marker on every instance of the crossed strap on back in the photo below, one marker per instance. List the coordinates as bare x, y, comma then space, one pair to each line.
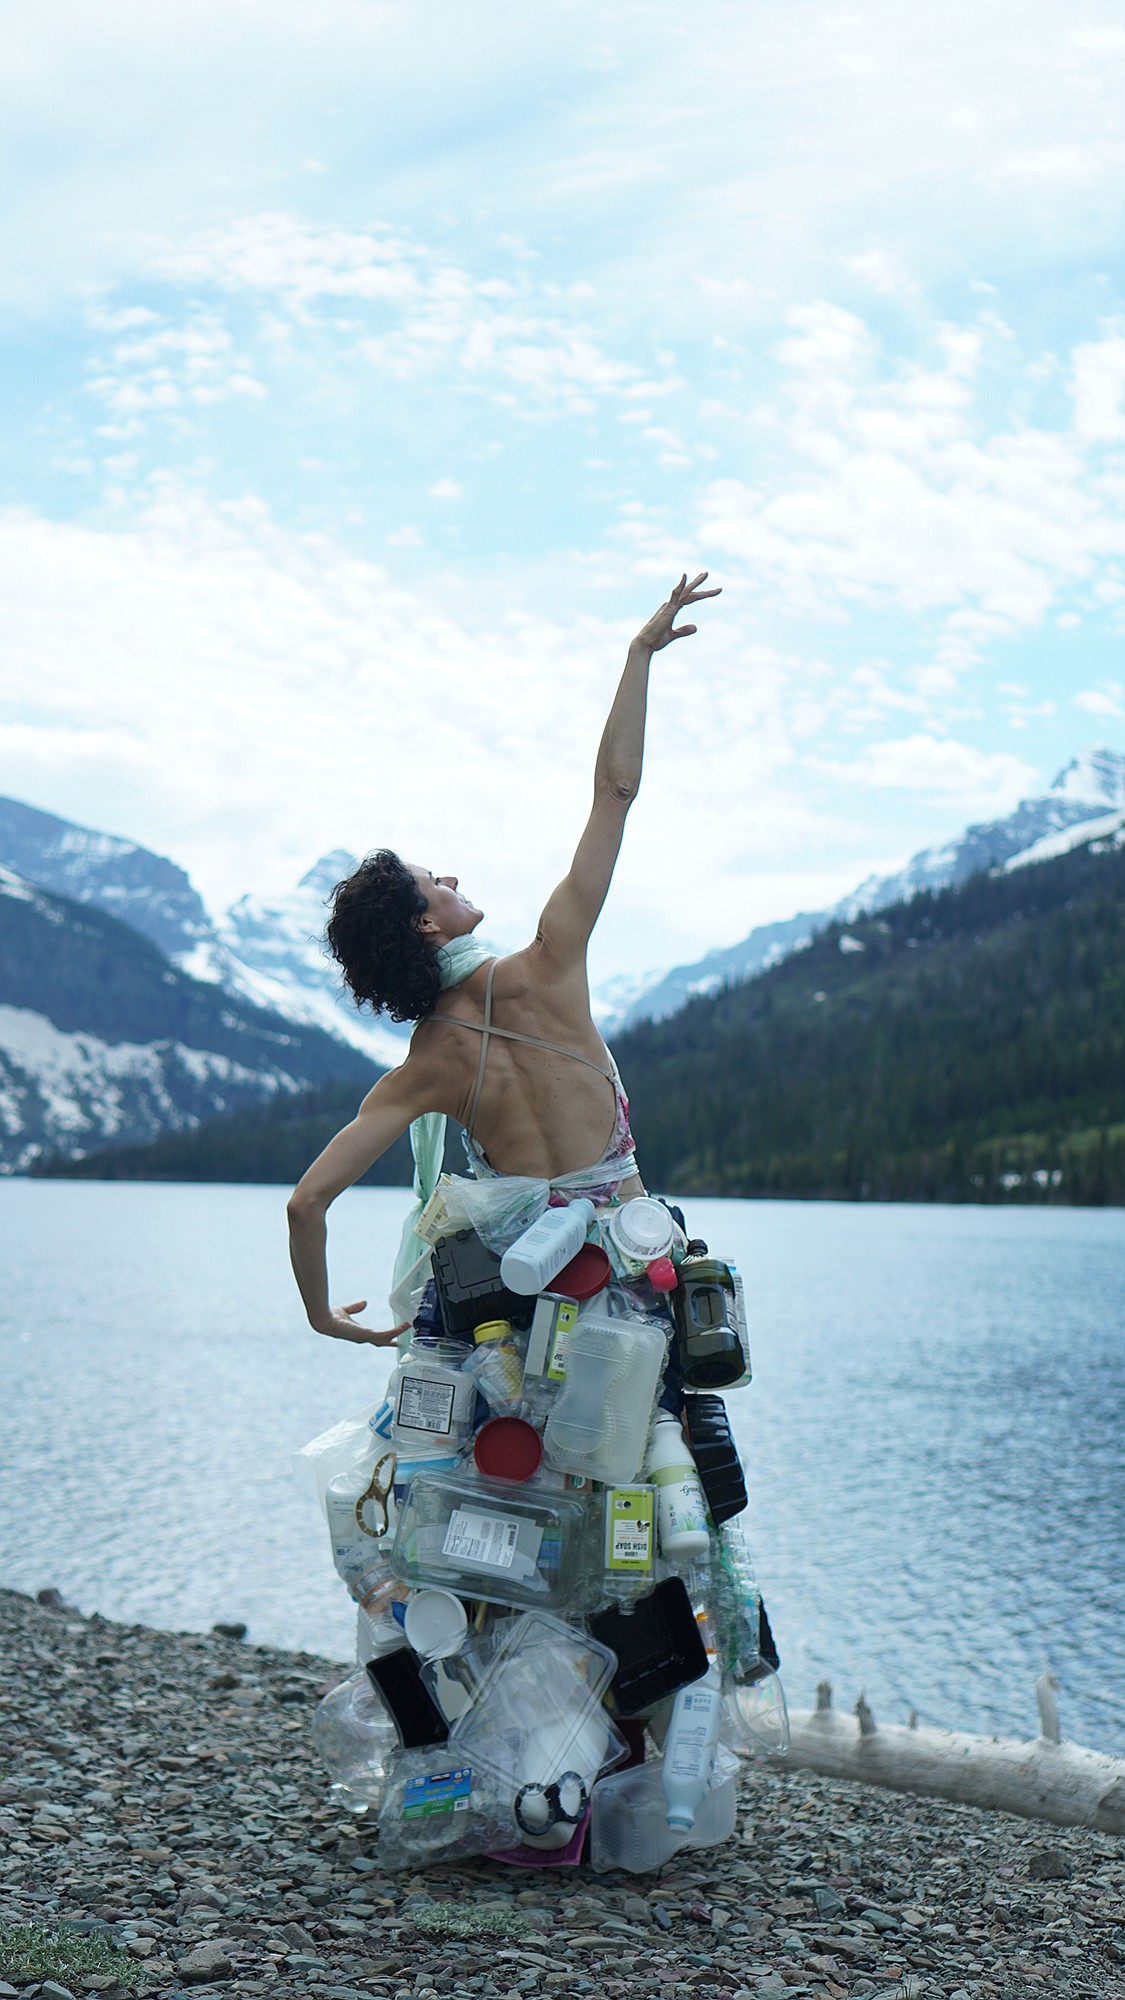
487, 1030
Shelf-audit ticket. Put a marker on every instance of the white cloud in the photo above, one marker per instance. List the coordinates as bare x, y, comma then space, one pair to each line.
245, 698
166, 370
1108, 699
958, 773
894, 490
1098, 387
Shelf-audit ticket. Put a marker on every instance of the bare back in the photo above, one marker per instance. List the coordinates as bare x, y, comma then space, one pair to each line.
539, 1112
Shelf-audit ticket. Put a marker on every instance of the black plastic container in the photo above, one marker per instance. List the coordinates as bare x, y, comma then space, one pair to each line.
470, 1288
413, 1710
717, 1460
658, 1646
705, 1309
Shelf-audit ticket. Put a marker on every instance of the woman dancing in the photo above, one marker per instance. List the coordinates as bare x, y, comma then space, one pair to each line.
506, 1046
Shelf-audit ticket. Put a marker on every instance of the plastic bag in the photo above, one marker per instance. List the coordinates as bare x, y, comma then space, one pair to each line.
499, 1210
351, 1446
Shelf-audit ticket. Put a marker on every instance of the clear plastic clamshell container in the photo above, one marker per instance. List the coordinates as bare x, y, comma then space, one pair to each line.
516, 1545
537, 1726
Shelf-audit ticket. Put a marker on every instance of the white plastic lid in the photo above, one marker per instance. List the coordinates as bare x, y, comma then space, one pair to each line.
642, 1228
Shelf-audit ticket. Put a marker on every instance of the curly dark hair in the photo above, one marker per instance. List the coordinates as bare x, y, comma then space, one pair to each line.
373, 936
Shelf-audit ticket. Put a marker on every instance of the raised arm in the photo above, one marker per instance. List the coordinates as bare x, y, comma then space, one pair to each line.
383, 1116
574, 907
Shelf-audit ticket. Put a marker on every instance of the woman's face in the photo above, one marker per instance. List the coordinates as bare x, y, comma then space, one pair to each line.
452, 913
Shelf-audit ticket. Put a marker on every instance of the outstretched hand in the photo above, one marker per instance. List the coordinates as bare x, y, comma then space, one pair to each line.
343, 1325
662, 628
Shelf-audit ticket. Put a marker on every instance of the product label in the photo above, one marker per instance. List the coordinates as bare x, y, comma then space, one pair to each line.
488, 1540
628, 1529
424, 1405
444, 1791
566, 1313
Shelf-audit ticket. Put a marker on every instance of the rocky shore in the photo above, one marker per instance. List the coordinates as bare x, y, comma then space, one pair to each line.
164, 1831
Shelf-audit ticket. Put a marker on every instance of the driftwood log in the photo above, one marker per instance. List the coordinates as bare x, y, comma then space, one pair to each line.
1045, 1778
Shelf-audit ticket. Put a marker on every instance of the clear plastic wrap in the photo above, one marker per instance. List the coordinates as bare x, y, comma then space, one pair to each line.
755, 1716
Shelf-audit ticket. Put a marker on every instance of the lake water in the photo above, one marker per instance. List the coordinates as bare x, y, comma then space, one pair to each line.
933, 1439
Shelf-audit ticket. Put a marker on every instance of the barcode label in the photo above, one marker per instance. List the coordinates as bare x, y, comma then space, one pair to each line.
489, 1540
424, 1405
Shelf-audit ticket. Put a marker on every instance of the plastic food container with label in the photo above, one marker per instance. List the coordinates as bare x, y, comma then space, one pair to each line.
506, 1544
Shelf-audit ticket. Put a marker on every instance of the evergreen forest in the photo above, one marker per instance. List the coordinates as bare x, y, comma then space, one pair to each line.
968, 1045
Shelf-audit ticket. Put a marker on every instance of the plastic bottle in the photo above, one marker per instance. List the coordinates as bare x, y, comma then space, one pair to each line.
629, 1541
689, 1748
540, 1253
497, 1364
361, 1558
705, 1306
681, 1504
355, 1738
434, 1399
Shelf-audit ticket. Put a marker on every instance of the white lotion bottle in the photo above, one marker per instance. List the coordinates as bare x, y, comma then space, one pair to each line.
681, 1505
540, 1253
689, 1749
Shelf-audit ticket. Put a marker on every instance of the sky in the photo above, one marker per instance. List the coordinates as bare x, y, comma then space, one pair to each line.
372, 370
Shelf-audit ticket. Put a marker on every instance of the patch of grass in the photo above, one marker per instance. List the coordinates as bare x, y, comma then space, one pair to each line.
464, 1920
35, 1951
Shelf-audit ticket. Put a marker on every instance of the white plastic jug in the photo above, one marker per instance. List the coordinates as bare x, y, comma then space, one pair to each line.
540, 1253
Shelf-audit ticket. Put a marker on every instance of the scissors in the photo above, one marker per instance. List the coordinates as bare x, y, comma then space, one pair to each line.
380, 1491
547, 1806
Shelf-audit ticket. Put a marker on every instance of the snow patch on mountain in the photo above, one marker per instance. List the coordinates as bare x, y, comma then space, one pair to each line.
1099, 834
73, 1092
272, 951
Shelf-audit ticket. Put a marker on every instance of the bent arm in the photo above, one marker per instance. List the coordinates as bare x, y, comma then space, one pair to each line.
383, 1116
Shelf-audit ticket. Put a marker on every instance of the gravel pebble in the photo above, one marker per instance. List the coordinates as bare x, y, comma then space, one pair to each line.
143, 1795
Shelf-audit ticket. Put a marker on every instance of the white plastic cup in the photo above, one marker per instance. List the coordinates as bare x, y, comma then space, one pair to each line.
435, 1624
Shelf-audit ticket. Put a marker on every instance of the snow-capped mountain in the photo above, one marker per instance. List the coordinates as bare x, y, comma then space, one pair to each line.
143, 889
1091, 787
272, 950
267, 952
103, 1041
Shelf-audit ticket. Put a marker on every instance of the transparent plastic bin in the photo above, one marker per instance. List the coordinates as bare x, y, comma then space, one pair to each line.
599, 1422
628, 1824
517, 1545
538, 1727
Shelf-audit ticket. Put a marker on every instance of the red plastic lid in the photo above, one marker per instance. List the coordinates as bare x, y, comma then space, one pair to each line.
586, 1273
507, 1448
